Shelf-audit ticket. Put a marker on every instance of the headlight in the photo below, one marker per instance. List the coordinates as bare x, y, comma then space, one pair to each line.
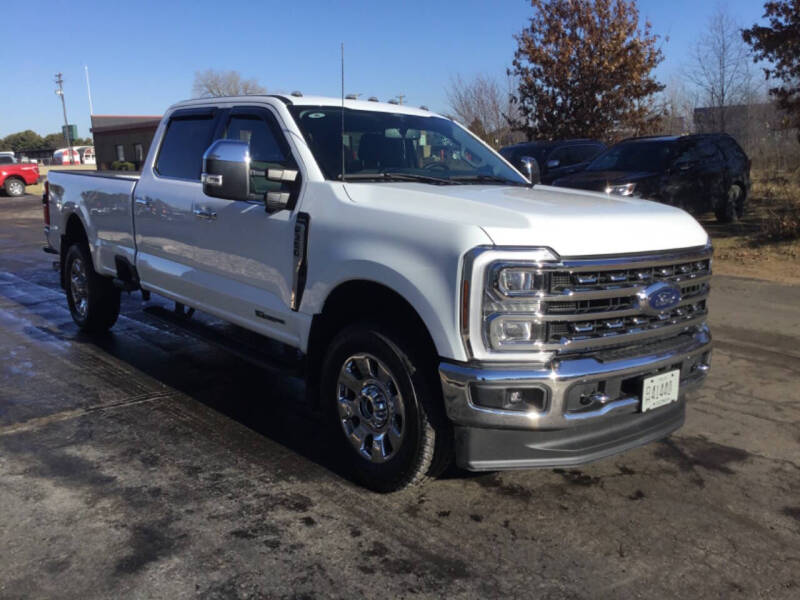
501, 308
626, 189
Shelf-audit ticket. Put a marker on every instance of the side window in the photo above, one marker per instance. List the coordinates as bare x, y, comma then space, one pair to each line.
586, 152
268, 148
708, 151
689, 153
186, 139
562, 155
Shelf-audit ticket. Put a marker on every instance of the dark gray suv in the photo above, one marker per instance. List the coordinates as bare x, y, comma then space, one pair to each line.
556, 159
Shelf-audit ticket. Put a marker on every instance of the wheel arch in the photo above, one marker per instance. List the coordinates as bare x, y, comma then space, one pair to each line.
74, 231
363, 300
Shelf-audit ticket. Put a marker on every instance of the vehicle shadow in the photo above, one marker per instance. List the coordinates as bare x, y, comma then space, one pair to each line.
162, 355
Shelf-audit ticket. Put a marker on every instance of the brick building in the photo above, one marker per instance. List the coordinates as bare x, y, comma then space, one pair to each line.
120, 138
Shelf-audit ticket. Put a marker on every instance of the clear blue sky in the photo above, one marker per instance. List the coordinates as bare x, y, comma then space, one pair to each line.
143, 58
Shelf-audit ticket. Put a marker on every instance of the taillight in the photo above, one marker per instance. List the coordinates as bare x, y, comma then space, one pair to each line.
46, 203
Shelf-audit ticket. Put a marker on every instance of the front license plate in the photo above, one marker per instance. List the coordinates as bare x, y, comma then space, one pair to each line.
660, 390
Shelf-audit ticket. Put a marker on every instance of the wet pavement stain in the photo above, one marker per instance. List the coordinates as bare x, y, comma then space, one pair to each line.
576, 477
495, 484
692, 452
792, 511
150, 542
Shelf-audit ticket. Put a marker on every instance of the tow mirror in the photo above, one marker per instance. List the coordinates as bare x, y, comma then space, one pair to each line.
277, 201
226, 170
531, 169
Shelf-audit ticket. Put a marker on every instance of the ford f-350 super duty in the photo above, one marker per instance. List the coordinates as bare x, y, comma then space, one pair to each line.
443, 306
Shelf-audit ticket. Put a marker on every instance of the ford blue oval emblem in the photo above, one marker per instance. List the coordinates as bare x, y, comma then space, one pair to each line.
659, 297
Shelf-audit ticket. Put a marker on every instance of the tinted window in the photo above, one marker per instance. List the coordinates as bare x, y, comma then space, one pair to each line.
264, 146
186, 140
7, 160
731, 149
634, 156
563, 155
694, 152
585, 152
268, 148
379, 143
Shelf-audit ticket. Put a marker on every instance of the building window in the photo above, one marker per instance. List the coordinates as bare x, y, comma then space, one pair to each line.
138, 150
120, 152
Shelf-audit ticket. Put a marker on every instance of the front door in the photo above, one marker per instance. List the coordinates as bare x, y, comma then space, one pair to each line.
244, 255
163, 202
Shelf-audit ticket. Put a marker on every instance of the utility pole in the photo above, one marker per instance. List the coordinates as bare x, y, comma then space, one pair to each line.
60, 92
400, 98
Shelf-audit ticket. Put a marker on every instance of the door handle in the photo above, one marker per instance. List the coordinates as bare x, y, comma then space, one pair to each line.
205, 213
142, 201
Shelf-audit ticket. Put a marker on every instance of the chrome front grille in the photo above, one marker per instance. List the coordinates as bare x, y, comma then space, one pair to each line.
596, 303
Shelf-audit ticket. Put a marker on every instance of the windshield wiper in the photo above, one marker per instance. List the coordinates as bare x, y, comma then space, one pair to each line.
482, 178
389, 176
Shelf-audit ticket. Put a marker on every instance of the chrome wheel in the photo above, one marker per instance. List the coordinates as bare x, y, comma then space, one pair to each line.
371, 408
15, 188
79, 287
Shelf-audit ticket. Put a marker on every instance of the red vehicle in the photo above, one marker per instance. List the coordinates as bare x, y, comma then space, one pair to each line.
15, 176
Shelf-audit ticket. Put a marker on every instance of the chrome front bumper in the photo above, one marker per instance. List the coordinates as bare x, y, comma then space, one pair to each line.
589, 402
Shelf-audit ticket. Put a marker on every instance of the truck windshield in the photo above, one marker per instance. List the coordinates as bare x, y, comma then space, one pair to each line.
635, 156
382, 146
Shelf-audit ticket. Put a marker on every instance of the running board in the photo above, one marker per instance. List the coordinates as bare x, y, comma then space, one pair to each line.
251, 347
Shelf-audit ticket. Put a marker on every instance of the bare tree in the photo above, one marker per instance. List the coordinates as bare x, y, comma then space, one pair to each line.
211, 83
720, 67
483, 105
676, 104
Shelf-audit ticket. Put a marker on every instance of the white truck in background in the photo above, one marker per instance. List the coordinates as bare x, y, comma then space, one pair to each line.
444, 307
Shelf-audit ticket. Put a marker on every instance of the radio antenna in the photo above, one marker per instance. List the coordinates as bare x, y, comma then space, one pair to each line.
343, 157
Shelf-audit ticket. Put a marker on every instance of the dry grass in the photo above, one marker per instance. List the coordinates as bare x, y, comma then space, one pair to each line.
765, 243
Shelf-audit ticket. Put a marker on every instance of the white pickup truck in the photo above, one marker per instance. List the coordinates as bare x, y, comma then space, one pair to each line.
443, 305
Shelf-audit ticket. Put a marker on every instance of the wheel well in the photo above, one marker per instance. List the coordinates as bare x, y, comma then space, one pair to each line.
73, 232
360, 300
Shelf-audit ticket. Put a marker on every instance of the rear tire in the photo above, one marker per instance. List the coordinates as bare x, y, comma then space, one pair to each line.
14, 187
93, 299
728, 206
384, 407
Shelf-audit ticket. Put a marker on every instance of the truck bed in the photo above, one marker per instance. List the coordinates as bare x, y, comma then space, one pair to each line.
103, 200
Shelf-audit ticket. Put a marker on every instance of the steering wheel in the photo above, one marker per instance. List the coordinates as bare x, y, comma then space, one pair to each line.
436, 165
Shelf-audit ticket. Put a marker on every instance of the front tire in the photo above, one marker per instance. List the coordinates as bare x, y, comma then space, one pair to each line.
93, 299
14, 187
384, 408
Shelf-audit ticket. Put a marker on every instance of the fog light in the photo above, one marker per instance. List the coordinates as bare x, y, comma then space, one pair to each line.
517, 399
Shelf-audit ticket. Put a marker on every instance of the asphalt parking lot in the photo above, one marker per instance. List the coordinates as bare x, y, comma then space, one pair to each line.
149, 463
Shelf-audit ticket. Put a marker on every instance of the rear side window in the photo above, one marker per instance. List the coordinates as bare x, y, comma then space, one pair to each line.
6, 160
186, 140
731, 149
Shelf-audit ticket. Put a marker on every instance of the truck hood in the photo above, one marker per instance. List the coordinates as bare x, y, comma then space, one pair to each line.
571, 222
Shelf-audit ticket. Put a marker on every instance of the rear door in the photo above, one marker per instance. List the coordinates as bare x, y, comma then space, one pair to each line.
163, 202
244, 255
712, 174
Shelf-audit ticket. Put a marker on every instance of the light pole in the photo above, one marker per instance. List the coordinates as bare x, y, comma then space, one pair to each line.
60, 92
